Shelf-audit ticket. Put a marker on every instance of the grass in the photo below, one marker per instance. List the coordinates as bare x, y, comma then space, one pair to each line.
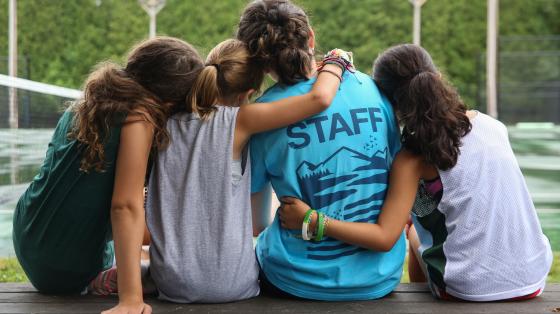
10, 270
554, 275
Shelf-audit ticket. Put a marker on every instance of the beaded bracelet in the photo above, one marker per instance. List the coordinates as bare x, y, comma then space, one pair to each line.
305, 234
331, 72
341, 58
327, 219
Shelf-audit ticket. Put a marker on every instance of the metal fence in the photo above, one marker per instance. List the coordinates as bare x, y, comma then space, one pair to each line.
528, 79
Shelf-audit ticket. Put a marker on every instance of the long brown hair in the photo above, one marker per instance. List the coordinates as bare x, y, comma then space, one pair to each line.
277, 34
429, 108
229, 72
154, 82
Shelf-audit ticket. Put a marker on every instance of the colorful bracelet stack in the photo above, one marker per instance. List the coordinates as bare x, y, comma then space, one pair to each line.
340, 58
320, 227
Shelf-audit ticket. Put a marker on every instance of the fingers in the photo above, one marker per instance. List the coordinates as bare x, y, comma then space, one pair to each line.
288, 200
282, 217
147, 309
281, 210
283, 222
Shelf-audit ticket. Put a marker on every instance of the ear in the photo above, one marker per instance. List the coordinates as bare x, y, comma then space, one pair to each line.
311, 42
250, 93
243, 98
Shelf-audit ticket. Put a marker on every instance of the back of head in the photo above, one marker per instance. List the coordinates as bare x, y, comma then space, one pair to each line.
167, 67
277, 34
229, 72
429, 108
155, 82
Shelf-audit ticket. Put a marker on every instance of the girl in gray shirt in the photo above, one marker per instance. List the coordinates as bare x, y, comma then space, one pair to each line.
198, 213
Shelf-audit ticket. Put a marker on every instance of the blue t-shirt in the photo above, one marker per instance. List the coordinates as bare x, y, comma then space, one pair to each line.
338, 162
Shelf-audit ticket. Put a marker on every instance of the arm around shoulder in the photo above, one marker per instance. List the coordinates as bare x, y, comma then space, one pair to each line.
255, 118
380, 236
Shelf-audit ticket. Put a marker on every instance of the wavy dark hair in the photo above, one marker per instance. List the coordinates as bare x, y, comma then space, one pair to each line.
277, 34
155, 82
428, 107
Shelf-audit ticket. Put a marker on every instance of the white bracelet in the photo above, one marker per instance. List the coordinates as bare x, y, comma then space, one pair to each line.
305, 234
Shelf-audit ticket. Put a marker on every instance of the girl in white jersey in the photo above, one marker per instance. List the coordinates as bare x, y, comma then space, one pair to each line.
476, 235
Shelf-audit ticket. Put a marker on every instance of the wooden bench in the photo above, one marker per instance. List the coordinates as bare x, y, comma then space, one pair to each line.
407, 298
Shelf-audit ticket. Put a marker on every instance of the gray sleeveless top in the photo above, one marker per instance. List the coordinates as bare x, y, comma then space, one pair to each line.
202, 247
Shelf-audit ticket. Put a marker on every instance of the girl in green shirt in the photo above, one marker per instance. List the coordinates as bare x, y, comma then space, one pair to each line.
94, 172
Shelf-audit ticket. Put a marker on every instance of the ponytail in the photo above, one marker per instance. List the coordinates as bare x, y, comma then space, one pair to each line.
432, 113
435, 120
229, 72
205, 92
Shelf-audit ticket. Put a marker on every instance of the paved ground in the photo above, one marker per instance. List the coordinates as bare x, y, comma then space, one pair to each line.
408, 298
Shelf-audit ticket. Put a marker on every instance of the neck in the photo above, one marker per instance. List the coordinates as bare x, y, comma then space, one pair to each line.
313, 69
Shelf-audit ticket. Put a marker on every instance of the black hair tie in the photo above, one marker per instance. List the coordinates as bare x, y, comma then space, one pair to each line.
217, 66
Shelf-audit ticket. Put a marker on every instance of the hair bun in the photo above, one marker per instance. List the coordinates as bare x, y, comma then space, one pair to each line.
273, 30
276, 17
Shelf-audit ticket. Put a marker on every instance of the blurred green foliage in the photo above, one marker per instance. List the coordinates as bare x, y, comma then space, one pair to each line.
63, 40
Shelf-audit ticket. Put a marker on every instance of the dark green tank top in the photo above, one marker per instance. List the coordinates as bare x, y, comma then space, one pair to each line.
62, 231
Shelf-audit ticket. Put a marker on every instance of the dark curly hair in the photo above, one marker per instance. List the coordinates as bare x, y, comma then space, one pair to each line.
277, 34
155, 81
430, 110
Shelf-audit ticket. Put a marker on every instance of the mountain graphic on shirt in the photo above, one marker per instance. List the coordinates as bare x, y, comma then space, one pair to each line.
341, 175
338, 178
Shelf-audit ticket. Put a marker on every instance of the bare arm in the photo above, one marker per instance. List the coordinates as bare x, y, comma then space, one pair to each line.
127, 213
381, 236
255, 118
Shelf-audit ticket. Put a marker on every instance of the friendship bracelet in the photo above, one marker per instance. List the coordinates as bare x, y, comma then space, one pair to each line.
342, 58
320, 227
334, 61
331, 72
305, 226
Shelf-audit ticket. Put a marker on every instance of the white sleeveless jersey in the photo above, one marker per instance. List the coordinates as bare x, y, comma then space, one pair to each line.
484, 241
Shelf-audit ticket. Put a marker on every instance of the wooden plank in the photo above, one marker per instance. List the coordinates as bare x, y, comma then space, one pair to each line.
407, 287
552, 287
412, 287
41, 298
392, 298
27, 287
407, 298
396, 302
295, 306
17, 287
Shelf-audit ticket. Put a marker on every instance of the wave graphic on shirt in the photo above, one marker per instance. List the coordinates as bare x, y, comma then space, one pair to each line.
338, 177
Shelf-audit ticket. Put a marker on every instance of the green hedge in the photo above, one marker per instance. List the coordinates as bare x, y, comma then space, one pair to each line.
64, 39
